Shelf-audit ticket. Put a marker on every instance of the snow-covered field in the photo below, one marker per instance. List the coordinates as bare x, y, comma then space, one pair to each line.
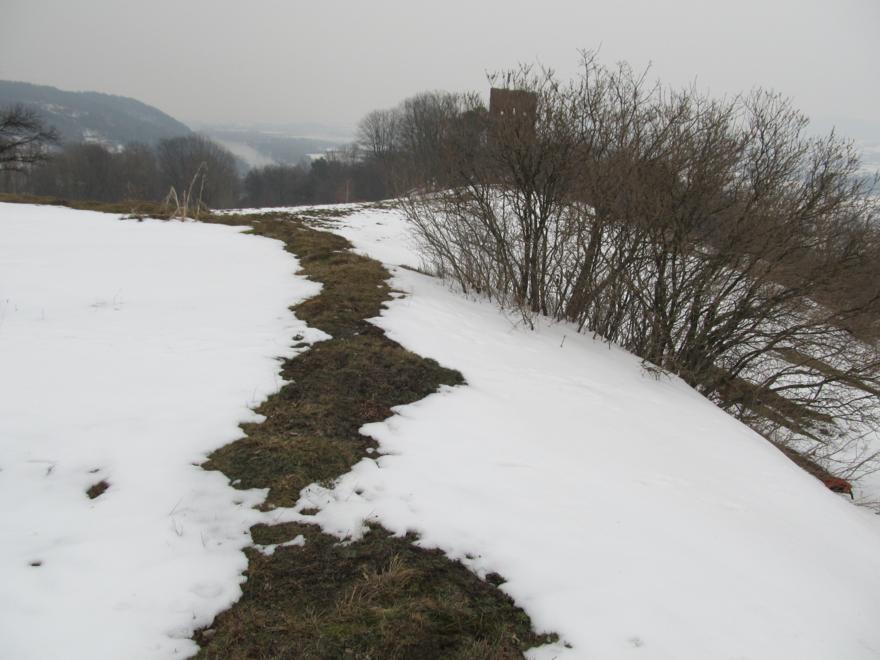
128, 351
626, 512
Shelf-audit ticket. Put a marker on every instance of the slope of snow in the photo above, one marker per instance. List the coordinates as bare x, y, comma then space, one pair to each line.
626, 512
128, 351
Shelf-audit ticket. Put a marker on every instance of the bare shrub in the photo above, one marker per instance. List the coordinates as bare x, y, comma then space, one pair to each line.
712, 238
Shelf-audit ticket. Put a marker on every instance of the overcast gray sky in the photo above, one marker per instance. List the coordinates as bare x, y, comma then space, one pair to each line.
333, 60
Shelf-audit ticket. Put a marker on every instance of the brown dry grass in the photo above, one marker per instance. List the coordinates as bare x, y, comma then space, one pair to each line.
381, 597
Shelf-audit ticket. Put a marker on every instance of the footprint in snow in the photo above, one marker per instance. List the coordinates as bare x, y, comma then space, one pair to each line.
207, 590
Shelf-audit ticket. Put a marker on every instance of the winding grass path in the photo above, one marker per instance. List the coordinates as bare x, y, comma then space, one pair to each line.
381, 597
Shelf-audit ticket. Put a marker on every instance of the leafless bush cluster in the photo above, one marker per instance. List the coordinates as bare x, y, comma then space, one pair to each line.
24, 142
712, 238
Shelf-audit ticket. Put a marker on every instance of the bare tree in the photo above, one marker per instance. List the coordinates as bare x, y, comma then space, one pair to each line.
196, 165
24, 142
378, 134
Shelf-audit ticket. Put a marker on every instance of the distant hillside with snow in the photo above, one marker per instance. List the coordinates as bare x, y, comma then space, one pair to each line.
259, 146
92, 116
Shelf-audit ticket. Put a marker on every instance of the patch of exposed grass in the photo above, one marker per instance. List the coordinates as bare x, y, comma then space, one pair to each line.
354, 287
381, 597
98, 489
311, 428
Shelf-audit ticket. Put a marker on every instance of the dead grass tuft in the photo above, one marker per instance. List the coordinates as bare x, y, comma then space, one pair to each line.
98, 489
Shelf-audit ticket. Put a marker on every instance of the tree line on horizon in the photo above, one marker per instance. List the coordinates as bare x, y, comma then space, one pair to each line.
34, 161
395, 151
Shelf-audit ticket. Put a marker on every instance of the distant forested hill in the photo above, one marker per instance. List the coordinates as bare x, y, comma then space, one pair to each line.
92, 116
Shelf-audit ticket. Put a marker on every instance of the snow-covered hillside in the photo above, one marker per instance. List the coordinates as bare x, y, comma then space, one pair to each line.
626, 512
128, 351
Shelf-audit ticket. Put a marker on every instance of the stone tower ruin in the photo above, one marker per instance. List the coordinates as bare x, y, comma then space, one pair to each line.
513, 112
